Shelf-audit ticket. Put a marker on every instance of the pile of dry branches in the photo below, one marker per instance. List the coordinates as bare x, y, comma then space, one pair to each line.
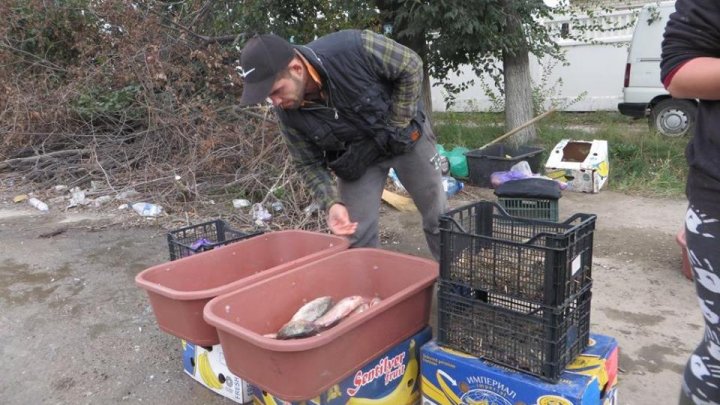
119, 96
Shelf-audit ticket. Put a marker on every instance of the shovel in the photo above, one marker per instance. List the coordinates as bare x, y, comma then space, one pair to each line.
517, 129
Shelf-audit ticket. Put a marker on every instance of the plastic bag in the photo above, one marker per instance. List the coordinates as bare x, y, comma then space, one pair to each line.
458, 161
522, 167
498, 178
520, 170
260, 213
147, 209
200, 244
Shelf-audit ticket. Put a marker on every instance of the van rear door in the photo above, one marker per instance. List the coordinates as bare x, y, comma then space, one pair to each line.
643, 82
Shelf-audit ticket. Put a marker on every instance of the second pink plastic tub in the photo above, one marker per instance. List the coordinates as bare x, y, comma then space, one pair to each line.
301, 369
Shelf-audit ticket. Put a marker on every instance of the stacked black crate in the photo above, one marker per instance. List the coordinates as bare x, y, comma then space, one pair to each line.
515, 291
534, 197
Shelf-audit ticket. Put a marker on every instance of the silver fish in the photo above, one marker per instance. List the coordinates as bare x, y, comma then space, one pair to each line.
361, 308
297, 329
366, 304
342, 309
313, 309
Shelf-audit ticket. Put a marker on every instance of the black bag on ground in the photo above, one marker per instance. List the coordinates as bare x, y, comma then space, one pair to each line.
530, 188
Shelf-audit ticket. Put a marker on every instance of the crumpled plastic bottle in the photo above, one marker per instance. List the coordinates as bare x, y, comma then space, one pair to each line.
38, 204
451, 186
393, 176
147, 209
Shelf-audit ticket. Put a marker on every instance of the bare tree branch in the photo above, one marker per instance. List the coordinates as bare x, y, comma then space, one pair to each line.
44, 62
35, 159
222, 39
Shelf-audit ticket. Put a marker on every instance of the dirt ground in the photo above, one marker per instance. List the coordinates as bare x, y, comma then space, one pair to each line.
75, 329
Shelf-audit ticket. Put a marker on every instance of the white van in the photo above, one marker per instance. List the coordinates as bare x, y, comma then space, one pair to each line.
643, 92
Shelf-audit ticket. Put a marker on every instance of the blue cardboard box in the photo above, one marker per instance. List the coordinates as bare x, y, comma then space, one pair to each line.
450, 377
391, 378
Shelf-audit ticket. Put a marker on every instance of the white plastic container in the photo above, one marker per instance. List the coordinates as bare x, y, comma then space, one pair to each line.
38, 204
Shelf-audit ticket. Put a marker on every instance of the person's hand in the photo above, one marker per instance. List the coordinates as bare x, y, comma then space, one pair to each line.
339, 220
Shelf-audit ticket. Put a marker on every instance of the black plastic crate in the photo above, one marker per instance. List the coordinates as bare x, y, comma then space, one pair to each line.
482, 163
545, 262
533, 208
518, 334
534, 198
201, 237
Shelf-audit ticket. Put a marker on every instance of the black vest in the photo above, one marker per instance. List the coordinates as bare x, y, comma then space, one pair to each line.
358, 100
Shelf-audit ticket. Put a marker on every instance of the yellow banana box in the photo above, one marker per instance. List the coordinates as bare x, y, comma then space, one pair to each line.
207, 366
450, 377
583, 165
389, 379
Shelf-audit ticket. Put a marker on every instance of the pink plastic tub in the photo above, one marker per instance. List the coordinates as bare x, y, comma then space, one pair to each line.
301, 369
180, 289
680, 239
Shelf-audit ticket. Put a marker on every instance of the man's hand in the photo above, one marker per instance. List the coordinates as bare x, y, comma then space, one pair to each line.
339, 220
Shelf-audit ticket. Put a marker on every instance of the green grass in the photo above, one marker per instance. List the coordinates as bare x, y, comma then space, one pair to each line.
641, 161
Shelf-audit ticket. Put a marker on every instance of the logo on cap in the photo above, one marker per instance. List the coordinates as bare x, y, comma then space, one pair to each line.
243, 73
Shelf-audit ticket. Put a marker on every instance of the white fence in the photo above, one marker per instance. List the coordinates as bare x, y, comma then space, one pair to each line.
591, 81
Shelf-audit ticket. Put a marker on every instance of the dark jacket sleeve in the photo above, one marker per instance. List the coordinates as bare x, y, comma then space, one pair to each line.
691, 32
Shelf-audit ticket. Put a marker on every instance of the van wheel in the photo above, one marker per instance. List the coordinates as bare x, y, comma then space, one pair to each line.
673, 117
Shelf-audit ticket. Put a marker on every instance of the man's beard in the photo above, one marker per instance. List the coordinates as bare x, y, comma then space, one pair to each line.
295, 103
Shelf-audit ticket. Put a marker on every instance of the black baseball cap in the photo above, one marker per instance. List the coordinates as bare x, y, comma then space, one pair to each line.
262, 59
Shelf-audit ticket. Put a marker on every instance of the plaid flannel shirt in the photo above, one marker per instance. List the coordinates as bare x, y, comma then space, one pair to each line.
399, 65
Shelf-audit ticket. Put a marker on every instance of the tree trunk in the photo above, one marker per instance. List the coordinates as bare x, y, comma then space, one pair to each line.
518, 89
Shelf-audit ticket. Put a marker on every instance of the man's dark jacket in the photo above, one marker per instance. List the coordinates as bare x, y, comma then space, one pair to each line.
358, 101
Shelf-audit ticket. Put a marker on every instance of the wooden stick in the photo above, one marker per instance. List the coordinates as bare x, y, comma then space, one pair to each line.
34, 158
516, 130
399, 202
